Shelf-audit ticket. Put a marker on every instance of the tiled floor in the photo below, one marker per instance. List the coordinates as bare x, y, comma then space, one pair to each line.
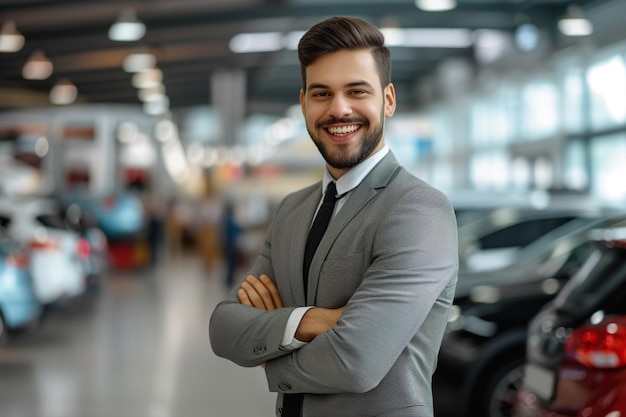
137, 349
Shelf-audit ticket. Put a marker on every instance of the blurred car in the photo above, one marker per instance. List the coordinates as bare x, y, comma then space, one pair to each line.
19, 307
471, 205
56, 251
123, 220
120, 215
576, 350
96, 253
492, 240
483, 350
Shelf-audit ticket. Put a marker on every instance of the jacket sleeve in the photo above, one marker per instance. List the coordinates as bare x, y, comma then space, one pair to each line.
246, 335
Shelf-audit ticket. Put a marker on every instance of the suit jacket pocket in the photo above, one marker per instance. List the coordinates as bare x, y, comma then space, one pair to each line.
339, 278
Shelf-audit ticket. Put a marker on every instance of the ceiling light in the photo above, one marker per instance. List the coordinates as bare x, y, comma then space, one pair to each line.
127, 28
527, 37
491, 45
139, 61
152, 93
256, 42
574, 23
428, 38
38, 67
157, 107
435, 5
63, 92
152, 77
11, 40
292, 39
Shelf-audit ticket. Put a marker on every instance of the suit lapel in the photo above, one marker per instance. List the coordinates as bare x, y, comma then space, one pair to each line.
299, 233
360, 196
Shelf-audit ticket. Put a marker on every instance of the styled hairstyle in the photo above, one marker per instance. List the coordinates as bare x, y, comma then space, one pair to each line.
338, 33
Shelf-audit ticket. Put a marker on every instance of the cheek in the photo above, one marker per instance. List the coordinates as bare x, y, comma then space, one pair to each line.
312, 115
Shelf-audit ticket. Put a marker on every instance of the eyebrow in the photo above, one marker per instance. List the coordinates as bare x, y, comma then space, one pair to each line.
360, 83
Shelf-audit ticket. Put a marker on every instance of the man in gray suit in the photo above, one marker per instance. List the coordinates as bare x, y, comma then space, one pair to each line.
358, 332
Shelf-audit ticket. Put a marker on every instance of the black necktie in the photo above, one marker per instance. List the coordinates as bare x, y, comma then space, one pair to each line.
320, 224
292, 403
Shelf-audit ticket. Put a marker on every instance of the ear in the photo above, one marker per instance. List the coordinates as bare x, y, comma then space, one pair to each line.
390, 100
302, 100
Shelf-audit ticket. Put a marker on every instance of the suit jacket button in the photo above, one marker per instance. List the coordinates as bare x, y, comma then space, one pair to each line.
258, 349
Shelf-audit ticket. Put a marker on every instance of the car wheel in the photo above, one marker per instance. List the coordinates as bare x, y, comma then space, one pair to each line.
492, 393
502, 390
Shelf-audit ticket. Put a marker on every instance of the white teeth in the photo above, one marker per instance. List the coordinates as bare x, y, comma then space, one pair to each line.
342, 130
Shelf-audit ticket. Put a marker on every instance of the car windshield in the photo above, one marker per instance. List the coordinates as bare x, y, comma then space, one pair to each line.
562, 239
52, 221
598, 285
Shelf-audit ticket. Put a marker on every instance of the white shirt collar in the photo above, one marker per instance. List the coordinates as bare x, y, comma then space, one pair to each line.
355, 175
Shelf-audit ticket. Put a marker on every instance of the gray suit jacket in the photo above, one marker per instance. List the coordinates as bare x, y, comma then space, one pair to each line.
391, 256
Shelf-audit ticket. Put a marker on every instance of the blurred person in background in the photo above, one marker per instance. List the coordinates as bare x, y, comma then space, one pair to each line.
357, 332
231, 232
209, 213
177, 217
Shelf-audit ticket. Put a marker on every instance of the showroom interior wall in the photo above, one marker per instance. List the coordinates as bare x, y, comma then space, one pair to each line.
542, 120
556, 121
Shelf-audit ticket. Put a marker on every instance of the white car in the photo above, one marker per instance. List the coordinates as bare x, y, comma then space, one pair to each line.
57, 252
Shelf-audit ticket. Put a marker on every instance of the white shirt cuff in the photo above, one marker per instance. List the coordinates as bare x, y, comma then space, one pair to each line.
289, 337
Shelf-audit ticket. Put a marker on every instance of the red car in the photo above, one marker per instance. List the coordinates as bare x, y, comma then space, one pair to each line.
576, 349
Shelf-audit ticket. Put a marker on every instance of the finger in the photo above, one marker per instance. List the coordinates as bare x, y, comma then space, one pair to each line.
253, 295
243, 297
263, 292
271, 287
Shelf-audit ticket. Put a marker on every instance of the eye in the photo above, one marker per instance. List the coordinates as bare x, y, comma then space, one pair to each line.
357, 92
320, 94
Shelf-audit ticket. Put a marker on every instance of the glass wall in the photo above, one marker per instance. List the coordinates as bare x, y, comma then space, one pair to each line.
559, 125
608, 163
606, 81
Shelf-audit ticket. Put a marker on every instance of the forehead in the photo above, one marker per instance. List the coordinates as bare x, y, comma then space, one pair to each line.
342, 67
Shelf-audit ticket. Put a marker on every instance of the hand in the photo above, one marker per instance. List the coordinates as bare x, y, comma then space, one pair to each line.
317, 321
260, 293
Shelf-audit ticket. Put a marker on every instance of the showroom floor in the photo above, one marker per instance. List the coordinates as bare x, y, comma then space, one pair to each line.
139, 348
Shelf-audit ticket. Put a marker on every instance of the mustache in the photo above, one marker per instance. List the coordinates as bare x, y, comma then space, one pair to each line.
345, 120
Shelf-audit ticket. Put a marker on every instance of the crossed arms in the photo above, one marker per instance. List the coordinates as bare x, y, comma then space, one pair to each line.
262, 293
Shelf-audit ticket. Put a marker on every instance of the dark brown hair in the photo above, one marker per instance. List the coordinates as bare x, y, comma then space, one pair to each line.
337, 33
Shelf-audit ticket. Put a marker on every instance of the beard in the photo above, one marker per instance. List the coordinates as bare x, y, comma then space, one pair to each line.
343, 157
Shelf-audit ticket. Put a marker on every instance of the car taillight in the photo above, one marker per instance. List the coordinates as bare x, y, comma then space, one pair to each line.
18, 260
601, 345
83, 249
44, 244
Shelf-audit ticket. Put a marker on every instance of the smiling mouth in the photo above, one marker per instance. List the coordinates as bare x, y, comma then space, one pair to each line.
343, 130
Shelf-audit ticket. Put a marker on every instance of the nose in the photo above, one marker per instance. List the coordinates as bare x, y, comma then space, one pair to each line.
340, 106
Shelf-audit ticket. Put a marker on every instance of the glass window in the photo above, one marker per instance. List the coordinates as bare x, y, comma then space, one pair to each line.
543, 173
540, 115
490, 170
479, 123
573, 93
608, 154
606, 80
492, 117
521, 173
443, 142
575, 175
570, 71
